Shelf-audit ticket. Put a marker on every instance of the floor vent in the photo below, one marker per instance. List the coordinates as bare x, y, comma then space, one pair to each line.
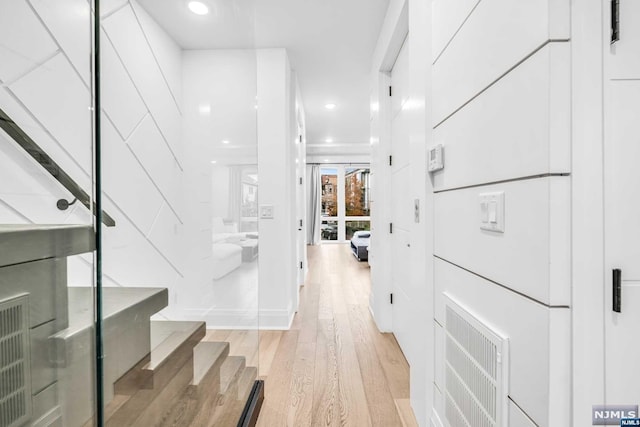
476, 371
15, 383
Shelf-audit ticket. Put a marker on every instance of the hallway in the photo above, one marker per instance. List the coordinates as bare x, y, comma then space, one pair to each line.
333, 367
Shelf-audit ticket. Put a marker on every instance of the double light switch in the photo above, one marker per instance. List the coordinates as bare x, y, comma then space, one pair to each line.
492, 211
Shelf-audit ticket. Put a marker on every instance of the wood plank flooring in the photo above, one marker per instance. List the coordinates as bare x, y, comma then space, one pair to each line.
333, 368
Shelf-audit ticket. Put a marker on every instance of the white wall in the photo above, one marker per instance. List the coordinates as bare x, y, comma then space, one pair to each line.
506, 118
220, 88
501, 108
45, 89
276, 168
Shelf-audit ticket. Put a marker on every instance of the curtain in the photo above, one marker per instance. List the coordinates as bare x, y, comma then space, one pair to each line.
313, 204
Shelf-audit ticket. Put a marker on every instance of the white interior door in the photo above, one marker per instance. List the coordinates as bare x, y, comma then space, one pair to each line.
301, 226
402, 208
622, 208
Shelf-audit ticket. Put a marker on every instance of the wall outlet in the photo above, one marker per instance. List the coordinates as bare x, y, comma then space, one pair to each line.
492, 211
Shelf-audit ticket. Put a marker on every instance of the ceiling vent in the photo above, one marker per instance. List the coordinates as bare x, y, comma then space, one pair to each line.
476, 371
15, 382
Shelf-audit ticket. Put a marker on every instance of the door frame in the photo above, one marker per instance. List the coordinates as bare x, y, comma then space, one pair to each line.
381, 272
587, 217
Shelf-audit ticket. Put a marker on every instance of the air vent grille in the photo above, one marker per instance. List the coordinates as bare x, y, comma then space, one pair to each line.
475, 370
15, 389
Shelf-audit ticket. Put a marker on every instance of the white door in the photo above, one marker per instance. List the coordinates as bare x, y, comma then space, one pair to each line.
622, 208
300, 214
402, 207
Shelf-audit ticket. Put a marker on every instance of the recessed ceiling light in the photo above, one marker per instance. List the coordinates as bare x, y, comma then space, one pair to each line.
198, 7
213, 162
326, 160
226, 141
329, 140
330, 106
204, 109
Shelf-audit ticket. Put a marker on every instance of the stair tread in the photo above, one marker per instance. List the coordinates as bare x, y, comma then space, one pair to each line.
167, 336
28, 242
115, 301
248, 377
205, 355
230, 371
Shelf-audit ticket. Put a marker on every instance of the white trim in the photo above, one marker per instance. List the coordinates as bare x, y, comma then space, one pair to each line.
587, 315
242, 319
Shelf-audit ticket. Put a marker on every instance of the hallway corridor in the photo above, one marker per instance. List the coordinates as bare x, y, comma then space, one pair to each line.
333, 367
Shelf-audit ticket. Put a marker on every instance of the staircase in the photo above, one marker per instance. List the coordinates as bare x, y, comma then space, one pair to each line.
156, 373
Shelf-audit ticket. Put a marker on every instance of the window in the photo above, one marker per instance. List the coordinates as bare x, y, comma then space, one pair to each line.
346, 204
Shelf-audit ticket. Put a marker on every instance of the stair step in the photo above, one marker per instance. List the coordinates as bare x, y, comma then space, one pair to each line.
245, 383
157, 383
25, 243
170, 337
204, 387
207, 359
126, 313
230, 372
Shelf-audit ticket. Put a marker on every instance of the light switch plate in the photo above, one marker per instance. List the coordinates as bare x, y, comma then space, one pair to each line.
435, 160
266, 211
492, 211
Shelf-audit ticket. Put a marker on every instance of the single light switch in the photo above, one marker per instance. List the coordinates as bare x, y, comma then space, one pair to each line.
484, 211
493, 211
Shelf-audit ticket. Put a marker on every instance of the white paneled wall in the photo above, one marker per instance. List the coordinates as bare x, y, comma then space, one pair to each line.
498, 97
45, 88
501, 108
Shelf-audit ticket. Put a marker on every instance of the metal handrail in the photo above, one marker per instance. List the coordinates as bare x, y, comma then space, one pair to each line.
48, 164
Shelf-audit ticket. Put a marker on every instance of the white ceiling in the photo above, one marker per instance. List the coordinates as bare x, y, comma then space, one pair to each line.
330, 44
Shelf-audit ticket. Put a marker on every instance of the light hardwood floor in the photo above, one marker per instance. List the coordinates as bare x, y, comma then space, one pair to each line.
333, 368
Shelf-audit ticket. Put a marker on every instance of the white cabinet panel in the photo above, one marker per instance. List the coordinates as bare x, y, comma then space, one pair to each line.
60, 101
126, 183
129, 41
532, 256
539, 364
70, 23
446, 19
120, 97
24, 42
152, 153
497, 35
519, 127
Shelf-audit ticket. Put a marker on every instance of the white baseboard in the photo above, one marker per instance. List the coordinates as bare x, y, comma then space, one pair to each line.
266, 319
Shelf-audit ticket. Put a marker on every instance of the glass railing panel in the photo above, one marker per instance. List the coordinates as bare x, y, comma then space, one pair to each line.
181, 181
46, 214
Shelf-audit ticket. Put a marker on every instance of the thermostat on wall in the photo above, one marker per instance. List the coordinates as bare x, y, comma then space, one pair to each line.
436, 158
